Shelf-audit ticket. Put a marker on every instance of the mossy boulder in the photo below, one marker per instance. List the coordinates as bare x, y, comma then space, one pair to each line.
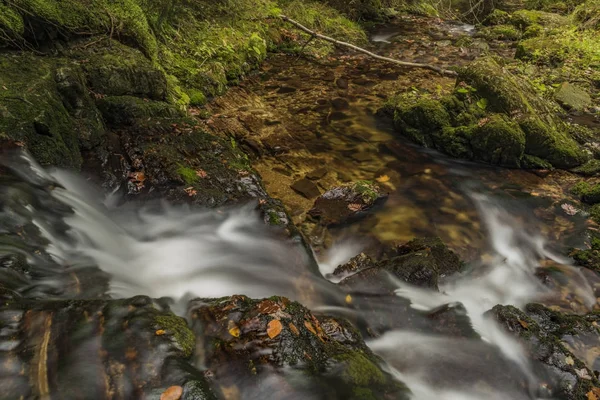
114, 69
523, 19
127, 110
495, 116
589, 193
587, 15
499, 141
246, 339
44, 103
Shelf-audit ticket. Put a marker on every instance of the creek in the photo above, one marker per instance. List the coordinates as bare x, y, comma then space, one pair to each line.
509, 225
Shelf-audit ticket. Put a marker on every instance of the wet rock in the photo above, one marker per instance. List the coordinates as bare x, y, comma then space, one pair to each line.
421, 262
542, 332
249, 340
132, 348
343, 203
286, 89
342, 83
572, 97
354, 265
306, 188
340, 104
317, 174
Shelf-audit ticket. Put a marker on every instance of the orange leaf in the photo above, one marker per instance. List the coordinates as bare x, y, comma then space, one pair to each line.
201, 173
309, 326
524, 324
383, 179
274, 328
294, 330
591, 396
172, 393
160, 332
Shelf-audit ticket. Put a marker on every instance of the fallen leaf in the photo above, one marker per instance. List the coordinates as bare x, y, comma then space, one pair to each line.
524, 324
274, 328
309, 326
160, 332
268, 307
569, 360
233, 329
354, 207
483, 121
172, 393
591, 396
190, 191
383, 179
4, 87
583, 374
294, 330
201, 173
348, 299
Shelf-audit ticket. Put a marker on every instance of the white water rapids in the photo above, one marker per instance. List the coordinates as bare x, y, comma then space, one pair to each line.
178, 252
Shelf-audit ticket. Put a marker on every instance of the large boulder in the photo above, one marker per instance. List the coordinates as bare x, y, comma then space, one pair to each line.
494, 116
246, 341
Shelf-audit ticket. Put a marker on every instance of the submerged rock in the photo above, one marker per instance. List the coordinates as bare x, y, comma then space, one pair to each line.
246, 340
341, 204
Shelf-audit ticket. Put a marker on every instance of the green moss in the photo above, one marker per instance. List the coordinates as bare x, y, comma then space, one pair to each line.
417, 119
360, 370
581, 49
497, 17
127, 110
500, 141
197, 98
500, 32
178, 328
123, 18
368, 190
590, 168
588, 193
595, 215
188, 175
587, 15
522, 19
11, 24
33, 111
551, 143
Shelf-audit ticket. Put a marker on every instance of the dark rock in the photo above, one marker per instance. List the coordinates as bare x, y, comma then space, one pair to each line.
421, 262
316, 174
354, 265
246, 339
542, 332
340, 204
342, 83
340, 104
306, 188
286, 89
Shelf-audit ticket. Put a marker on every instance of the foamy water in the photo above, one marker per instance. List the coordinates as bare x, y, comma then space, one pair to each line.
178, 252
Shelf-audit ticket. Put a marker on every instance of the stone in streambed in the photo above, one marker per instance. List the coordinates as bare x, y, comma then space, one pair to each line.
342, 203
317, 174
269, 343
306, 188
572, 97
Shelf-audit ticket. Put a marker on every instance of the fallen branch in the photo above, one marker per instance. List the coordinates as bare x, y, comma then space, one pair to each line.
439, 70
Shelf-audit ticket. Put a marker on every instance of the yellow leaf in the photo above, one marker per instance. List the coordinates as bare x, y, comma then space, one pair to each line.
383, 179
591, 396
172, 393
234, 330
524, 324
274, 328
160, 332
348, 299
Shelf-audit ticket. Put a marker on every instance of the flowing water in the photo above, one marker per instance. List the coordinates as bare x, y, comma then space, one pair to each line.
82, 243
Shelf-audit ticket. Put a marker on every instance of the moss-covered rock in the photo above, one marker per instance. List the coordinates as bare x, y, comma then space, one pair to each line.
114, 69
46, 106
499, 141
572, 97
541, 331
587, 15
589, 193
247, 338
523, 19
127, 110
495, 116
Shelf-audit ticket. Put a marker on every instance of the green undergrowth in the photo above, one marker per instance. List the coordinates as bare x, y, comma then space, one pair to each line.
201, 46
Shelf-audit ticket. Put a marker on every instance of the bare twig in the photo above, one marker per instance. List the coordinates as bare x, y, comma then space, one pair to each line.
439, 70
